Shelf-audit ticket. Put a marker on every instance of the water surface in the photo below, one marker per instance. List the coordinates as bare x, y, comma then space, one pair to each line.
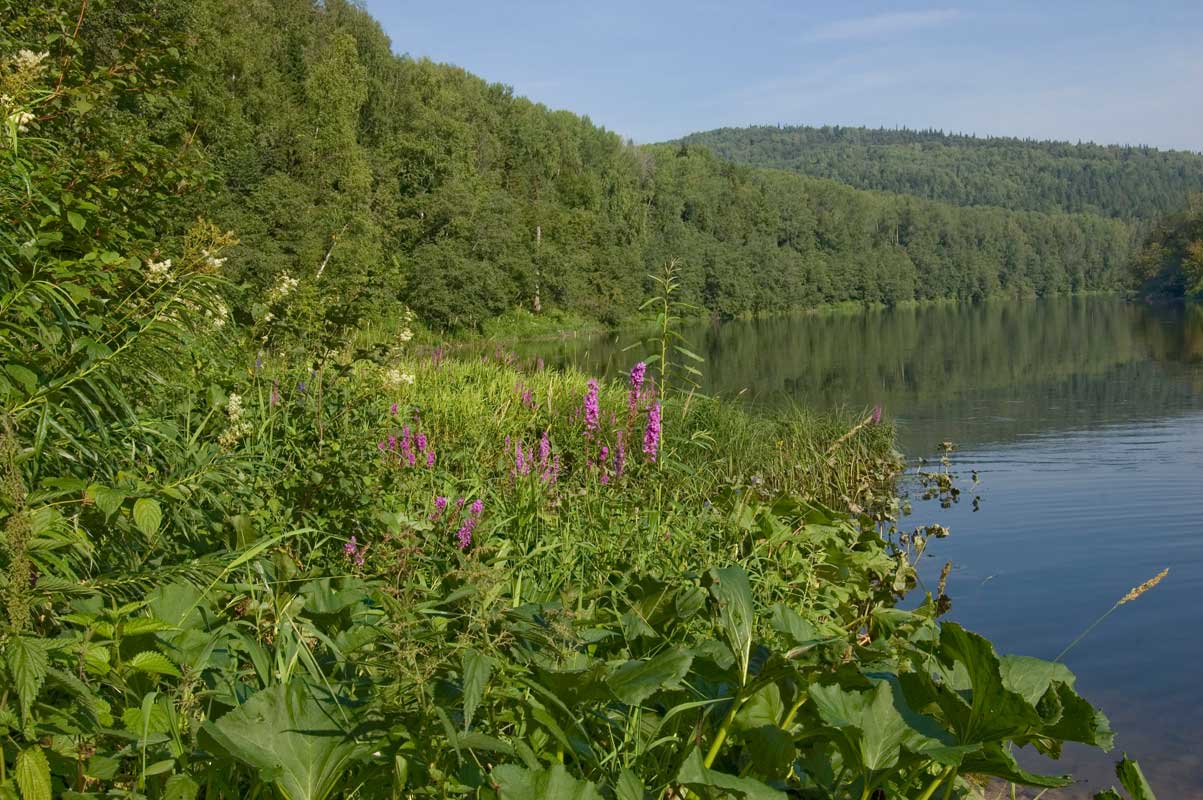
1084, 419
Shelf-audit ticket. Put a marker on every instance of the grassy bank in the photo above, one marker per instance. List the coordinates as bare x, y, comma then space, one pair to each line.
390, 573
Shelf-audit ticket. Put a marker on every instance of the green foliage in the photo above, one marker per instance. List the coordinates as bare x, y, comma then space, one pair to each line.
244, 557
1170, 263
1019, 174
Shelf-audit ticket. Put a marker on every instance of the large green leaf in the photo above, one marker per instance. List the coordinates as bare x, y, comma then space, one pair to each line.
27, 663
147, 516
296, 742
635, 681
33, 774
476, 671
711, 783
995, 759
982, 706
553, 783
873, 727
736, 614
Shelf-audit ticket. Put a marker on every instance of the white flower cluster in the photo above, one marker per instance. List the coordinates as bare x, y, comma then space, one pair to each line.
29, 61
396, 378
159, 271
219, 315
284, 287
238, 426
211, 260
21, 119
406, 333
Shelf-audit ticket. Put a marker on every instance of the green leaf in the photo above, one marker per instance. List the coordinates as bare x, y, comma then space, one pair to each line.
730, 589
26, 378
994, 759
33, 774
629, 787
180, 787
696, 776
553, 783
296, 742
476, 671
147, 516
108, 500
994, 711
877, 724
635, 681
28, 661
76, 219
153, 662
1130, 775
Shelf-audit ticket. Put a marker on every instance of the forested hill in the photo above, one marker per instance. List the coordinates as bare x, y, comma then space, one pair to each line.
1115, 181
375, 180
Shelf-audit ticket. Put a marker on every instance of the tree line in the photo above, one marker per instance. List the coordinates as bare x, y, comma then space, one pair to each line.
1022, 174
375, 180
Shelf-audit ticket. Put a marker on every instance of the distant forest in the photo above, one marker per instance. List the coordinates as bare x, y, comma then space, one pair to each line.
377, 180
1019, 174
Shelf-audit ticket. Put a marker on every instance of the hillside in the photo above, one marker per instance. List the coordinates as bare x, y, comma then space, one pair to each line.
1020, 174
375, 180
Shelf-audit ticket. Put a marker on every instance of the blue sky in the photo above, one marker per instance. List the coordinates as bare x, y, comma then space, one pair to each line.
1109, 72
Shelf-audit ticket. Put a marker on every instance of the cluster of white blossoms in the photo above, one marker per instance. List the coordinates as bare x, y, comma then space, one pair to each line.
159, 271
396, 378
29, 61
406, 333
238, 427
284, 287
23, 72
21, 119
219, 315
211, 260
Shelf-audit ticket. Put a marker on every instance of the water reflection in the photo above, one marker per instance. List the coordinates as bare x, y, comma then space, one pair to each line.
972, 374
1084, 419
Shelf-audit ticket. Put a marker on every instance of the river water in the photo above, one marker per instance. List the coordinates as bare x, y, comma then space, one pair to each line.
1083, 418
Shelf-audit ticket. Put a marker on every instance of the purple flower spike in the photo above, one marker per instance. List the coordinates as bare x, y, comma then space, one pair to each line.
651, 435
393, 409
592, 411
429, 459
876, 416
477, 507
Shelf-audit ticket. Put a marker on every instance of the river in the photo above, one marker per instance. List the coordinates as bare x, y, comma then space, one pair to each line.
1083, 418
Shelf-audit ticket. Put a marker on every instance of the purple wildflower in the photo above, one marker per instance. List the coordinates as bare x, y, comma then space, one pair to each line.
620, 454
638, 372
477, 507
382, 445
651, 435
392, 442
876, 415
544, 448
592, 412
440, 503
429, 459
393, 409
464, 534
352, 552
300, 387
421, 439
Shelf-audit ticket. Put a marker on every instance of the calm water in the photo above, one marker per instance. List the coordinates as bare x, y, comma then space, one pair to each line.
1084, 420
